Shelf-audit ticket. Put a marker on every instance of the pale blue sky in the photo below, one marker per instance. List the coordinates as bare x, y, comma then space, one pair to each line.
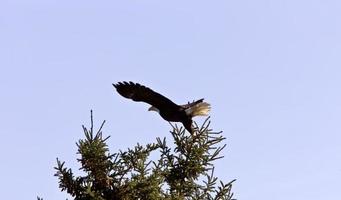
270, 69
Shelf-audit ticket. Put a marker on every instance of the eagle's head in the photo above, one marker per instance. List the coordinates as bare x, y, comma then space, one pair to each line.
154, 109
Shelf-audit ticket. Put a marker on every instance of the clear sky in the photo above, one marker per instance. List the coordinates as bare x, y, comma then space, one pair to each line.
270, 69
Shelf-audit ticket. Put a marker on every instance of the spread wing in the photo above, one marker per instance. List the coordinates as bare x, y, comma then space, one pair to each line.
138, 92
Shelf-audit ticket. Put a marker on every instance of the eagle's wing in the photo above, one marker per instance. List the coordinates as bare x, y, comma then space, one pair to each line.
138, 92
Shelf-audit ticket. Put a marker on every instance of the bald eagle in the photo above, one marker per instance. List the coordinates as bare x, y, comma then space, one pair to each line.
168, 110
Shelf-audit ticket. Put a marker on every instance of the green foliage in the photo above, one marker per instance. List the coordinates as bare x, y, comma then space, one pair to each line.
181, 173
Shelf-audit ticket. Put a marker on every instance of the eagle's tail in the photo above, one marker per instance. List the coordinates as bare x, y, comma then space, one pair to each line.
198, 108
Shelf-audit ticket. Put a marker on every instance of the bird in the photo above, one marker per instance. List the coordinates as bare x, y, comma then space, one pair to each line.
168, 110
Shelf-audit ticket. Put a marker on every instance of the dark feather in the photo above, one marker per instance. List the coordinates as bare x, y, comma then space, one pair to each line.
188, 125
138, 92
192, 104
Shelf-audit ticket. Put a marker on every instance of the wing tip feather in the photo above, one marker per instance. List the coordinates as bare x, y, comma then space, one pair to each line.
124, 83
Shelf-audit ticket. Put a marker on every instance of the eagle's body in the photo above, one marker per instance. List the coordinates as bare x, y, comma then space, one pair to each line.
168, 110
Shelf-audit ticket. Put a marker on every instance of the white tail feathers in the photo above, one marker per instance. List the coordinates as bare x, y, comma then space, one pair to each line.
200, 109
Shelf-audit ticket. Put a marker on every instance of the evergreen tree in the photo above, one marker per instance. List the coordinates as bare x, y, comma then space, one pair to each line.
181, 173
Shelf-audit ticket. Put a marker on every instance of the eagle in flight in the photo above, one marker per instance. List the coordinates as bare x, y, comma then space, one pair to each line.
168, 110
